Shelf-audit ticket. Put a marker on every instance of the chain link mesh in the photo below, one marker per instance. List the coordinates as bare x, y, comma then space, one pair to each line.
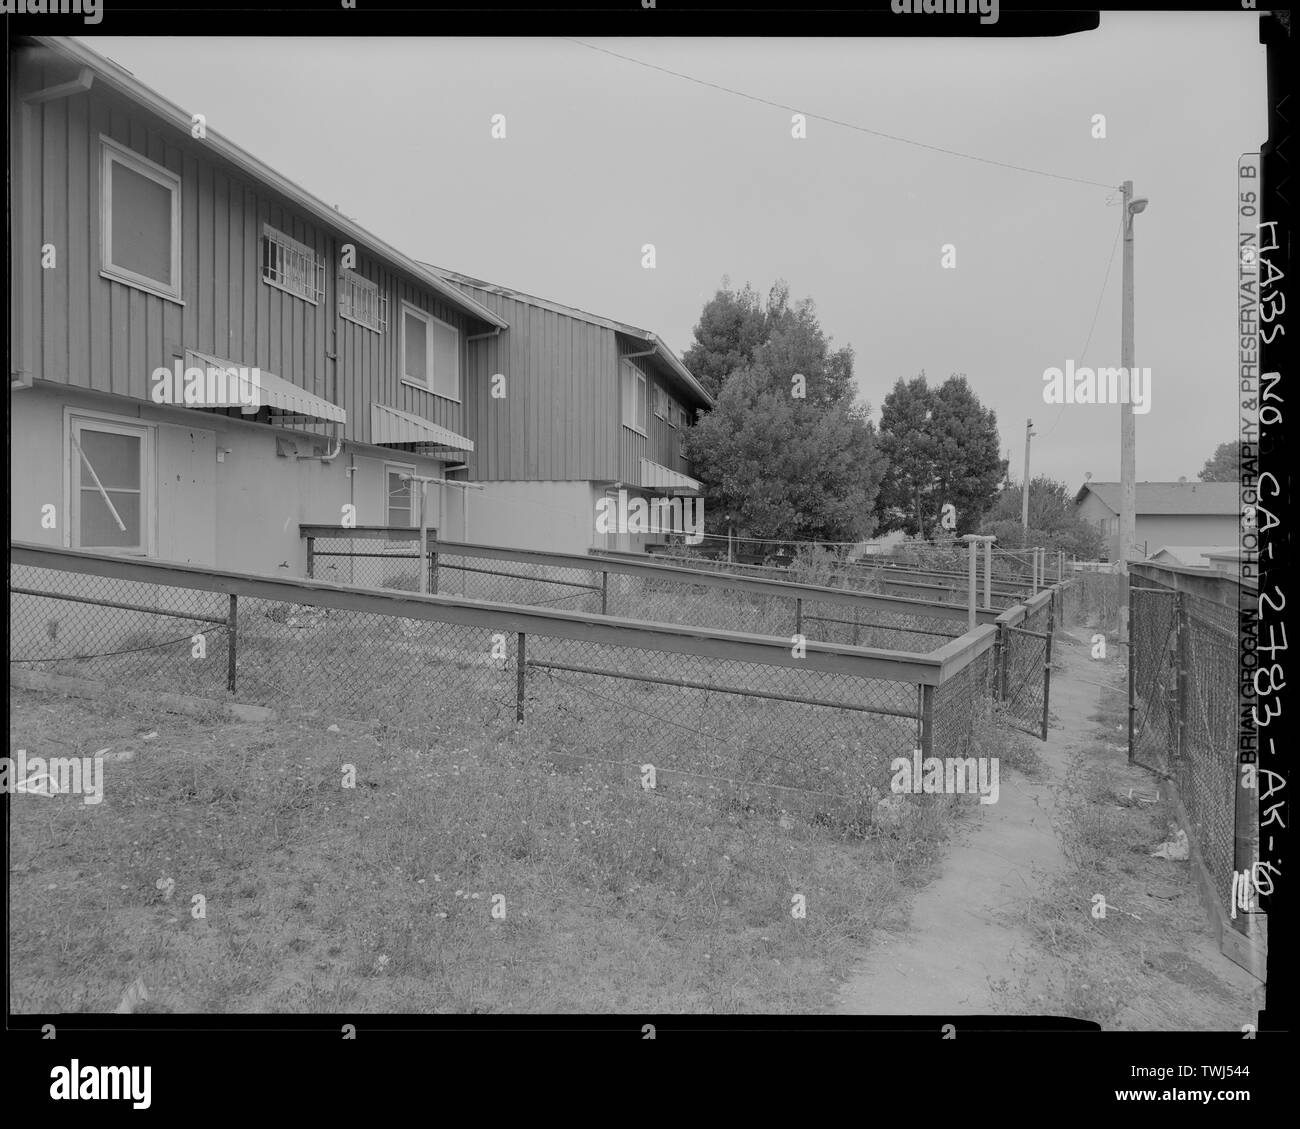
779, 735
1185, 665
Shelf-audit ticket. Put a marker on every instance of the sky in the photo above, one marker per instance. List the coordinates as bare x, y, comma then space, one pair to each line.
602, 155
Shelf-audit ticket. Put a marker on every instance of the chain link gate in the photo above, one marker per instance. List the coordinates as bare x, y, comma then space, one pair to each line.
1025, 670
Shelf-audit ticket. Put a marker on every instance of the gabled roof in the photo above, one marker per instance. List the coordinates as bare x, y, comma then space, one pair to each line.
121, 80
1196, 555
663, 354
1199, 499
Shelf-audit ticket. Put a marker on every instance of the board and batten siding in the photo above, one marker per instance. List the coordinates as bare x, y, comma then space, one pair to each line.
559, 418
96, 333
660, 443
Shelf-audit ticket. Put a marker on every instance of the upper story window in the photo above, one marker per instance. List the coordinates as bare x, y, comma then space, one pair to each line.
430, 353
674, 413
292, 266
140, 221
361, 302
634, 393
661, 402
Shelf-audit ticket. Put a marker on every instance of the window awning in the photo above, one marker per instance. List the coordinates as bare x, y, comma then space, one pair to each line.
656, 476
238, 386
391, 426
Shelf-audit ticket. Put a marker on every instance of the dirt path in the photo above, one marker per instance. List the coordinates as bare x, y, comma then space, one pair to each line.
959, 942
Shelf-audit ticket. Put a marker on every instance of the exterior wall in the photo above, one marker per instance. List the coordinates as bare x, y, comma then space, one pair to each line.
241, 513
558, 517
553, 424
1154, 531
661, 443
103, 335
1157, 530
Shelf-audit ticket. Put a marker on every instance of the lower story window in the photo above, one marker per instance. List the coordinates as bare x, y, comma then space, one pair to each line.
111, 485
401, 494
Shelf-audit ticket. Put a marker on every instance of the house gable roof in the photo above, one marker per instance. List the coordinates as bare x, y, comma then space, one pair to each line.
666, 357
1191, 499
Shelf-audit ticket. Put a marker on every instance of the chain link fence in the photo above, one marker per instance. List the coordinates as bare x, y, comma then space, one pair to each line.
641, 590
1025, 664
737, 715
1183, 707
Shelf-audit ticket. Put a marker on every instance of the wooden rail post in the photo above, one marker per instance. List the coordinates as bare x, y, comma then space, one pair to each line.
232, 632
519, 680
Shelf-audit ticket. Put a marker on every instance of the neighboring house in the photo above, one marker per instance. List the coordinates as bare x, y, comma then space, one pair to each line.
1194, 556
138, 246
1167, 513
1226, 560
585, 407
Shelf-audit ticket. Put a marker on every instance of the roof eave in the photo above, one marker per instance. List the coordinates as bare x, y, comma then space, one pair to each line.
130, 87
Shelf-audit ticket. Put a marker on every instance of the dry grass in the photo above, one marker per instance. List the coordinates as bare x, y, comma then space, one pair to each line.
379, 897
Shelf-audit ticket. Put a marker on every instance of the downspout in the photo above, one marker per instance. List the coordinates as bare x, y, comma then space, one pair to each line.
332, 355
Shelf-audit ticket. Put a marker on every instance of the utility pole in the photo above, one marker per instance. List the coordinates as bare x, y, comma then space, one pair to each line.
1127, 429
1024, 500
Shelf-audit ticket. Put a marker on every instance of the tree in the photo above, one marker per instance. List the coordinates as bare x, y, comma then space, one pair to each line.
942, 447
732, 325
1053, 521
783, 464
1224, 465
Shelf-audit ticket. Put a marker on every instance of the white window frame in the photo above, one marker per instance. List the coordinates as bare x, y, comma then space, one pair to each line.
659, 405
638, 399
114, 151
429, 320
76, 418
401, 468
316, 266
349, 283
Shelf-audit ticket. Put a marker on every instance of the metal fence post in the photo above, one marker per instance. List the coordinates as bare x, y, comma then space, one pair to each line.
1180, 673
232, 633
798, 615
433, 565
1047, 660
1132, 673
519, 680
311, 558
604, 591
926, 719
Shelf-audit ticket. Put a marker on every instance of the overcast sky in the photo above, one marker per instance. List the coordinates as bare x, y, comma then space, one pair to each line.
602, 155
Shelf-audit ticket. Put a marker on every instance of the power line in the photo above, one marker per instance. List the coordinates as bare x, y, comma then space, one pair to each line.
1084, 350
836, 121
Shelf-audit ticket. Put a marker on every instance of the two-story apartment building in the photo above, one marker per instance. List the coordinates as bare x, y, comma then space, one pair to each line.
205, 356
143, 243
567, 408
